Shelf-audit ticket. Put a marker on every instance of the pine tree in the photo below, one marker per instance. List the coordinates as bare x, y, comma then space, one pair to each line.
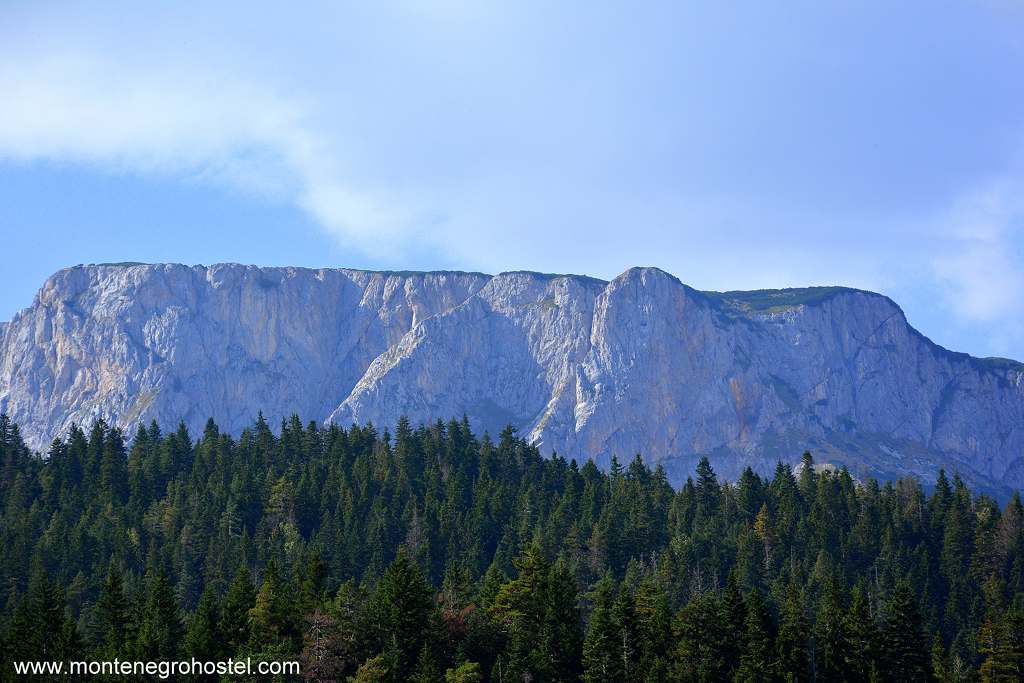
272, 617
160, 630
373, 670
624, 623
794, 662
905, 647
757, 660
404, 608
111, 615
733, 619
654, 625
352, 629
562, 637
467, 672
203, 640
113, 467
600, 661
699, 654
708, 491
426, 669
1001, 645
830, 643
1013, 632
234, 617
42, 629
860, 633
940, 661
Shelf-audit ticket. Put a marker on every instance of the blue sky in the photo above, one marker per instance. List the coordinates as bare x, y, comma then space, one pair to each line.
736, 145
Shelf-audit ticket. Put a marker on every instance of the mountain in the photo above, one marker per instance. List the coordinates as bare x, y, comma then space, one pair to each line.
582, 367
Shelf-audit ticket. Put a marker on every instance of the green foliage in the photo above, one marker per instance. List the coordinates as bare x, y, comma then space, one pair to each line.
757, 663
160, 631
373, 670
404, 610
600, 663
771, 300
436, 555
904, 643
467, 672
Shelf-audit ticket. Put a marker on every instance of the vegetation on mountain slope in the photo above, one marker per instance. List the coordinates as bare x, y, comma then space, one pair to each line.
431, 555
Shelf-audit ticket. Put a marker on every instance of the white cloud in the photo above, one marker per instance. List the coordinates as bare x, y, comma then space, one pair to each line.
214, 127
980, 261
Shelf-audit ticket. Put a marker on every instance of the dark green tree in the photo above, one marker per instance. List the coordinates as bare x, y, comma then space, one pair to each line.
601, 663
794, 658
203, 639
234, 613
404, 609
160, 629
757, 663
905, 646
110, 633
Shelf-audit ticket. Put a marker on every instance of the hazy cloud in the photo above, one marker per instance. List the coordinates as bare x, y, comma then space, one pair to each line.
215, 128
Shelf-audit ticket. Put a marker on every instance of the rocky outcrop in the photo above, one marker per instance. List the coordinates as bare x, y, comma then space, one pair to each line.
585, 368
130, 343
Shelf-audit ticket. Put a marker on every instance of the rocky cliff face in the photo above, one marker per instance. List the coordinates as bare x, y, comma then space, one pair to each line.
585, 368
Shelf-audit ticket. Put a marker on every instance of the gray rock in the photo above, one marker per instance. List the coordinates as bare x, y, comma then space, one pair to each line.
582, 367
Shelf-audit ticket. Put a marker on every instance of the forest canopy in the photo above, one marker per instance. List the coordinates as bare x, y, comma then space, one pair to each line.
430, 554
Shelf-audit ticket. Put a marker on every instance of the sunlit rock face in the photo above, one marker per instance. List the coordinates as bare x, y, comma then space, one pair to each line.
582, 367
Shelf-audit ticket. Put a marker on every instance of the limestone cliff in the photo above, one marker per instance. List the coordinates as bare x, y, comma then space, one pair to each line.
583, 367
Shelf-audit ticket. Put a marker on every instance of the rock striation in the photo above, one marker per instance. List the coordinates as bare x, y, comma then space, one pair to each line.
585, 368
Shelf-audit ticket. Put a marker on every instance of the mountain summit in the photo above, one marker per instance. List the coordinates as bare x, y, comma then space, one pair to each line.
583, 367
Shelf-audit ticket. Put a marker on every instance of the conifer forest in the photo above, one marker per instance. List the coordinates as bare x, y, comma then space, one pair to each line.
431, 554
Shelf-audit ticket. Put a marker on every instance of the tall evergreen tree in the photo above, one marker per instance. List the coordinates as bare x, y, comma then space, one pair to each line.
700, 652
110, 634
829, 642
794, 660
160, 630
405, 611
600, 661
862, 639
234, 614
203, 639
905, 646
272, 618
757, 663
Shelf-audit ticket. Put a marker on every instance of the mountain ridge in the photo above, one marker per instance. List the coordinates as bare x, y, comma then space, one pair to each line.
585, 367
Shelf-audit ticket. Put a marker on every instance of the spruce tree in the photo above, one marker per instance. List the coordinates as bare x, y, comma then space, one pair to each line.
940, 661
426, 669
700, 654
830, 643
561, 635
861, 636
111, 615
160, 630
905, 646
794, 661
758, 658
654, 626
601, 663
234, 617
626, 635
272, 618
733, 620
1001, 645
203, 639
404, 609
